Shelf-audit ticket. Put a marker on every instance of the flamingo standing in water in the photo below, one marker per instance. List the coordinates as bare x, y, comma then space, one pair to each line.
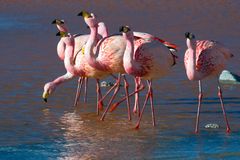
205, 58
108, 53
150, 60
80, 41
75, 65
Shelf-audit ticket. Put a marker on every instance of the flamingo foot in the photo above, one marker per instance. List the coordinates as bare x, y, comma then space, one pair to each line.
137, 126
196, 132
135, 111
228, 130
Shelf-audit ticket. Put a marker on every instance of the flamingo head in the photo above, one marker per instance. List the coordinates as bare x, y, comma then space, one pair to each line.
189, 35
85, 14
58, 21
48, 89
62, 34
67, 38
124, 29
89, 18
60, 25
191, 42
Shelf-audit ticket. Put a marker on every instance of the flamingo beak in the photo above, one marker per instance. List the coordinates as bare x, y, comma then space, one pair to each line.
57, 21
54, 21
45, 96
58, 34
84, 14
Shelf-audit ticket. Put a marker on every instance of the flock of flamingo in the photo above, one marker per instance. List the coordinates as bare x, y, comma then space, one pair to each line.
142, 55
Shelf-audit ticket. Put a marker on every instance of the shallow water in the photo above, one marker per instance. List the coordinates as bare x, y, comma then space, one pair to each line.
31, 129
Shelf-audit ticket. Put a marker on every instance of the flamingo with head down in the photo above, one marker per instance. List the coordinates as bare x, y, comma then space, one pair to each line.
150, 60
75, 65
80, 41
205, 58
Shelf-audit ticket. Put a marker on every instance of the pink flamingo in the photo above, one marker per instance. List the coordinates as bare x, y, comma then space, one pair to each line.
75, 66
110, 52
150, 60
106, 55
80, 41
205, 58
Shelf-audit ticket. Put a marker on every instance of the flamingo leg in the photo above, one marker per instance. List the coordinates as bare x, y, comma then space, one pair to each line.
99, 96
126, 85
85, 89
151, 102
115, 105
200, 95
136, 108
223, 109
78, 91
144, 105
117, 85
109, 91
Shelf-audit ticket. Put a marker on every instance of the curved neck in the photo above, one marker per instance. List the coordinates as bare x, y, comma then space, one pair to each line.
61, 49
190, 65
69, 57
102, 30
89, 52
129, 63
62, 28
62, 79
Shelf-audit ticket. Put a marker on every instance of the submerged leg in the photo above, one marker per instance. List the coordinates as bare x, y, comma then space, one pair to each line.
117, 85
78, 91
126, 85
200, 95
223, 109
85, 89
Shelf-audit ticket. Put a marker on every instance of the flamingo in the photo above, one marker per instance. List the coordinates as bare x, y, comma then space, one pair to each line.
75, 65
80, 41
150, 60
61, 49
205, 58
108, 53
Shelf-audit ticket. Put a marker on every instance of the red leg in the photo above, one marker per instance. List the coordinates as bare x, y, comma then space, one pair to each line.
117, 85
109, 91
126, 85
99, 96
223, 109
200, 95
144, 105
78, 91
85, 89
115, 105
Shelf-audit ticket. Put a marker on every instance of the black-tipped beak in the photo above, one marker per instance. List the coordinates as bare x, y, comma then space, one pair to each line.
45, 100
124, 29
54, 21
80, 14
189, 35
121, 29
58, 34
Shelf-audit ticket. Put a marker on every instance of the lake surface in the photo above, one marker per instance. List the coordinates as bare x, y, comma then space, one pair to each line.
32, 129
